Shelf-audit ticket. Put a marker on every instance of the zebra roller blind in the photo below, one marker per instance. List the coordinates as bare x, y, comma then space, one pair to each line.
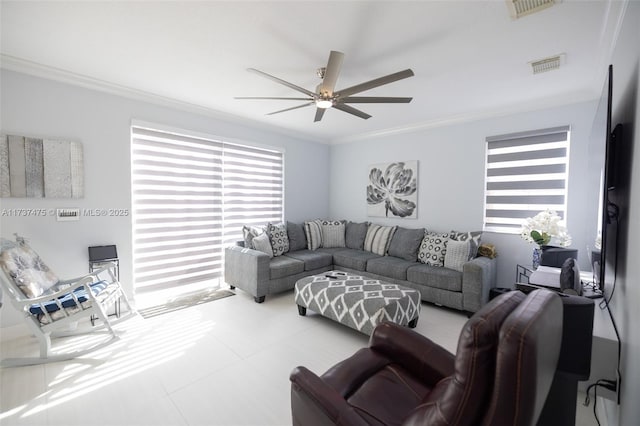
525, 174
191, 195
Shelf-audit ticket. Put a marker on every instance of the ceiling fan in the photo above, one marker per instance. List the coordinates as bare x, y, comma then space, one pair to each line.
326, 97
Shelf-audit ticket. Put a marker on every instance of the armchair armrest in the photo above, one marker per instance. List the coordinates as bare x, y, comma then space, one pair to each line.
247, 269
478, 277
415, 352
95, 275
314, 402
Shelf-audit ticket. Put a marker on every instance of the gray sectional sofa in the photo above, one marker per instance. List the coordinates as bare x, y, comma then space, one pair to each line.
409, 257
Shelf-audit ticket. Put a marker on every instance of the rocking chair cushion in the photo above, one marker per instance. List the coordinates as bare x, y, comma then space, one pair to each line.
27, 270
67, 301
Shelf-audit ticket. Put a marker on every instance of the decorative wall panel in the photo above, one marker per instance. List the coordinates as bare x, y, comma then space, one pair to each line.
37, 168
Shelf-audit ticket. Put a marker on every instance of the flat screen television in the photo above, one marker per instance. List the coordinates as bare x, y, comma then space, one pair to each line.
605, 262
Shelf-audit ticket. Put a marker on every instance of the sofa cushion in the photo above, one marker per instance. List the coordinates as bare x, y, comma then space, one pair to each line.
435, 276
378, 239
353, 259
333, 234
355, 233
283, 266
312, 259
313, 233
388, 266
405, 243
278, 238
474, 239
433, 248
297, 239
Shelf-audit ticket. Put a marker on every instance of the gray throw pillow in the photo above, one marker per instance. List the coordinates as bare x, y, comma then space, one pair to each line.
297, 239
355, 234
405, 243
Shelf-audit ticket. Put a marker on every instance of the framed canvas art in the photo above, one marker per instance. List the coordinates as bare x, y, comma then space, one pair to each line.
392, 190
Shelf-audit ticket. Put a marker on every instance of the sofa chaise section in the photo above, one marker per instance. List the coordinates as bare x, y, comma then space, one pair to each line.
260, 275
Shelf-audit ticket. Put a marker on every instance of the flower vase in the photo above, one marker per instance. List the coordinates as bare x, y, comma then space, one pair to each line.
537, 255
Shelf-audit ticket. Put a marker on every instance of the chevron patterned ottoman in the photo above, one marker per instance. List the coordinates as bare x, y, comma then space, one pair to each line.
356, 301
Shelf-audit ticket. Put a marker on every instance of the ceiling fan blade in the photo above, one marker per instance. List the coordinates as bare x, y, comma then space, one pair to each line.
352, 110
375, 83
292, 108
331, 72
319, 114
281, 81
267, 97
374, 100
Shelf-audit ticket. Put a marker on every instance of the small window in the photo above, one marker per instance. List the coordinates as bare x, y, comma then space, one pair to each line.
525, 174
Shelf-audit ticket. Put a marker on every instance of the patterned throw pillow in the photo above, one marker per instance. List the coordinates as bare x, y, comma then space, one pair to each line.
333, 233
262, 243
249, 233
278, 238
313, 232
433, 248
457, 254
378, 239
32, 276
473, 238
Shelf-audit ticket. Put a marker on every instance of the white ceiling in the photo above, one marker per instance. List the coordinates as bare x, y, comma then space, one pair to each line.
470, 58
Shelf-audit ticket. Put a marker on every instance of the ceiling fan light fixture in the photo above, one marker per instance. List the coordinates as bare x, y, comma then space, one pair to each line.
324, 103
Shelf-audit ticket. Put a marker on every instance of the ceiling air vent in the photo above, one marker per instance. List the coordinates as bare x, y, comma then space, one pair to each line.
547, 64
520, 8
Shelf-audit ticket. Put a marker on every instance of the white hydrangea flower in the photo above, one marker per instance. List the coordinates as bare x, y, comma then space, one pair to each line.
545, 227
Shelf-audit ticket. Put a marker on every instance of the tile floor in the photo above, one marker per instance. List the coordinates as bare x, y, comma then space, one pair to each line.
225, 362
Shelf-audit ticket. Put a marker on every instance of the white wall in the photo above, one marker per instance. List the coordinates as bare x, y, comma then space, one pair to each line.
43, 108
451, 178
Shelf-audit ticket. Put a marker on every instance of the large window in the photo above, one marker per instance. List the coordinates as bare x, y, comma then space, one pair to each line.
525, 174
190, 196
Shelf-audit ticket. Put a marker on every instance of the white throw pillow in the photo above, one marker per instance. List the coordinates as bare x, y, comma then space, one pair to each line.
262, 243
378, 239
433, 248
333, 234
313, 232
457, 254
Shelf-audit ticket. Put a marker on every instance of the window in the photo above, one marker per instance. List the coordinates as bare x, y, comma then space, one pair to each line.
191, 195
525, 174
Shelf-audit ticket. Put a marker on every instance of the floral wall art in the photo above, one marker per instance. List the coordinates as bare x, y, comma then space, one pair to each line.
392, 190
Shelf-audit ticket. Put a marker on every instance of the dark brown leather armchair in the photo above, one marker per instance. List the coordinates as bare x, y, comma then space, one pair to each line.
506, 358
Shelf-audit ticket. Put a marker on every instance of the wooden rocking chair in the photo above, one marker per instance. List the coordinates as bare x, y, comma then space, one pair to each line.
51, 306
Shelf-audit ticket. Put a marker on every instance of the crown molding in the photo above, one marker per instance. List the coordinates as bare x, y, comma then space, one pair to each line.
35, 69
471, 117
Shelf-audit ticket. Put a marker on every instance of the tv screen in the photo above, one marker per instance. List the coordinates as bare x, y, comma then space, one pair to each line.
606, 270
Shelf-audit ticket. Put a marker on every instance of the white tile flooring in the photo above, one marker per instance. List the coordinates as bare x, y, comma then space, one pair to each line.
225, 362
